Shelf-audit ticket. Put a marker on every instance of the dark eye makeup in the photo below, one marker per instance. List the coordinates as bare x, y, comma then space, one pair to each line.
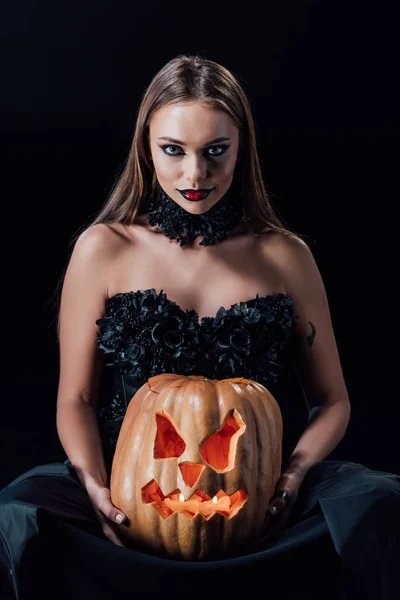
223, 149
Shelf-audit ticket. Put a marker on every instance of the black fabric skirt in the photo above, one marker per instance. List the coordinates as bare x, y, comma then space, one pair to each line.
342, 540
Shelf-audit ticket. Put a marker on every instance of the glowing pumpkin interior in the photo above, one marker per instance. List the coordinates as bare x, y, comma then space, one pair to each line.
218, 451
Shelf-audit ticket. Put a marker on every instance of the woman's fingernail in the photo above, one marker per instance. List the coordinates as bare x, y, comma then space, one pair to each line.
119, 518
273, 510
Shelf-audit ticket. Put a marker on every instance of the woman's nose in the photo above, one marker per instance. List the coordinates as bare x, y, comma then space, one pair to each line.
196, 170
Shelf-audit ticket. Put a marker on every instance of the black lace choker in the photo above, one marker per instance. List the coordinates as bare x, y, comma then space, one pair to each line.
176, 223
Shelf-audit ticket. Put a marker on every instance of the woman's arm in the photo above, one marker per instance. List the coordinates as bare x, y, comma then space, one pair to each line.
82, 302
318, 365
79, 435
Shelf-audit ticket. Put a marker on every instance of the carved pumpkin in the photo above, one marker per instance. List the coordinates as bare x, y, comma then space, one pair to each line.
196, 464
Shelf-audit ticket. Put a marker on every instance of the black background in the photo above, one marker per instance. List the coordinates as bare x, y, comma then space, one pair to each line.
321, 79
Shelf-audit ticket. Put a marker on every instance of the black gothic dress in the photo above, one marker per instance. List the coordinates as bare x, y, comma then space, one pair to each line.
342, 538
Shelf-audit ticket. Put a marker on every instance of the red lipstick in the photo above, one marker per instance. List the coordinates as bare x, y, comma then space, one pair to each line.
195, 195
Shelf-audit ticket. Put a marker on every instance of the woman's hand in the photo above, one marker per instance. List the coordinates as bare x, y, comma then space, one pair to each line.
106, 512
279, 509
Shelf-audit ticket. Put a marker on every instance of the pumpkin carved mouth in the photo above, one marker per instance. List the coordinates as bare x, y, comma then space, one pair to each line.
199, 503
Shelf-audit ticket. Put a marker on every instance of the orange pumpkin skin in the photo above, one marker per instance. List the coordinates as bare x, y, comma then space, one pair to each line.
167, 446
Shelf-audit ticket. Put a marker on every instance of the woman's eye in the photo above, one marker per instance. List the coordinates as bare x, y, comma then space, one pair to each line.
170, 153
221, 150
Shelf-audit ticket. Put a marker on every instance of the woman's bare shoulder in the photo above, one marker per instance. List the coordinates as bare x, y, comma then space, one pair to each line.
282, 245
289, 254
104, 239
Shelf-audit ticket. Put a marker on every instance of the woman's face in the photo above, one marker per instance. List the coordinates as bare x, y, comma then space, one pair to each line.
183, 157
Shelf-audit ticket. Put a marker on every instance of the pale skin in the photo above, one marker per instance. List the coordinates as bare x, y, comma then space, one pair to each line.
108, 259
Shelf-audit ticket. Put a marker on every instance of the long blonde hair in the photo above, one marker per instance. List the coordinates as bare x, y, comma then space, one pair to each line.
183, 79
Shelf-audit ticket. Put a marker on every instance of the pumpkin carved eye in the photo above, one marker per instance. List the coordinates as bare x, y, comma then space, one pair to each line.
168, 443
219, 450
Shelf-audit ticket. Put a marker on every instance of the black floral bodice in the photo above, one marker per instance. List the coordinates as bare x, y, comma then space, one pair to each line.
144, 333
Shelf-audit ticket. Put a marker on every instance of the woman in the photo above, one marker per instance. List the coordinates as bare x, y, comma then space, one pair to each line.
186, 245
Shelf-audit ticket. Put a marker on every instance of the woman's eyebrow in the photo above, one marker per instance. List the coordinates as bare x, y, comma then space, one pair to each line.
174, 141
